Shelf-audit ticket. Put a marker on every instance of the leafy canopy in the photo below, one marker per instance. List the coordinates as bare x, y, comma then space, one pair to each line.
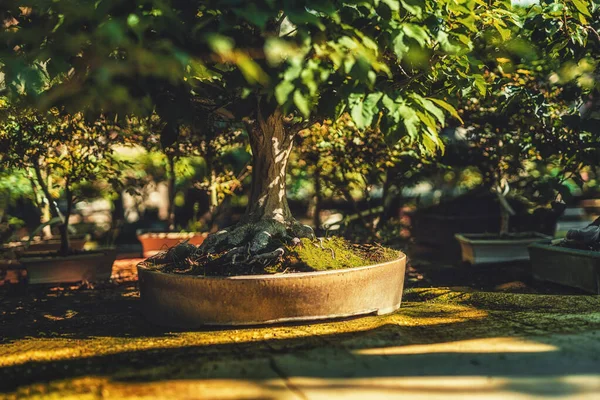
390, 64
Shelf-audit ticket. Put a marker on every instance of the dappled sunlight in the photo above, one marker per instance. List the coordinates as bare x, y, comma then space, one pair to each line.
486, 345
451, 387
437, 314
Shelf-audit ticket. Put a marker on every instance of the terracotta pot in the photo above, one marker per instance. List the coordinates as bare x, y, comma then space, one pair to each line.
569, 267
11, 271
88, 266
486, 248
187, 301
155, 242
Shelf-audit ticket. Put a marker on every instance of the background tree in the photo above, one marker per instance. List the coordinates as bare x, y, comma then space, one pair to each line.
62, 152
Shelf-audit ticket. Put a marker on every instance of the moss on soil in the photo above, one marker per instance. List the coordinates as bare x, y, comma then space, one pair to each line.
308, 255
337, 253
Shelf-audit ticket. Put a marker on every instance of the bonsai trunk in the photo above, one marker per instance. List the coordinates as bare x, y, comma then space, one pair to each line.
318, 198
64, 226
267, 219
171, 192
271, 146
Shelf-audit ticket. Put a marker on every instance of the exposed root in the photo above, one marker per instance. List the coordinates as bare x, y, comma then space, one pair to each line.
266, 247
259, 236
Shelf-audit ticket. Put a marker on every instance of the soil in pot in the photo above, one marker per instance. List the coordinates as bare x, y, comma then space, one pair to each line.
305, 255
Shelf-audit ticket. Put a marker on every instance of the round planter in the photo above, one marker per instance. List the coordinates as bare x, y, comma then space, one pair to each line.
153, 243
486, 248
569, 267
186, 301
89, 266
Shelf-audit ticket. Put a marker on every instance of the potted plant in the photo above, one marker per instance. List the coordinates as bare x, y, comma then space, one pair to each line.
273, 71
63, 152
512, 139
575, 260
551, 115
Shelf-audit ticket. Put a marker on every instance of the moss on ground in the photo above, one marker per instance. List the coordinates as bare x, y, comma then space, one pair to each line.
79, 342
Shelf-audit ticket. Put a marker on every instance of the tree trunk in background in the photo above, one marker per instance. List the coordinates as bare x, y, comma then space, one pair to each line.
504, 221
171, 192
65, 244
63, 228
318, 198
271, 146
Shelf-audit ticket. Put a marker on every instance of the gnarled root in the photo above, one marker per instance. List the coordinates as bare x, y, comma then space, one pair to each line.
259, 243
258, 236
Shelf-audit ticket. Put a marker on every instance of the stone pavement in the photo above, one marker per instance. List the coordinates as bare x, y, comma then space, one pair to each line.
442, 343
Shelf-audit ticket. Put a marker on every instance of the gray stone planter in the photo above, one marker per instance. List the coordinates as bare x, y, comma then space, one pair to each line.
186, 301
88, 266
569, 267
487, 248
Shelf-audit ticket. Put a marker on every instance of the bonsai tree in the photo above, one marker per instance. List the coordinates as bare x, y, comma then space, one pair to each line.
61, 151
271, 67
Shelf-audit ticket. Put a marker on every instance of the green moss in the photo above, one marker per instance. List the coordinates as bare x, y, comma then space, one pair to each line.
309, 255
338, 253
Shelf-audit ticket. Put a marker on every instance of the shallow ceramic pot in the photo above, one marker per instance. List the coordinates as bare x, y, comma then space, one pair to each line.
569, 267
186, 301
89, 266
487, 248
155, 242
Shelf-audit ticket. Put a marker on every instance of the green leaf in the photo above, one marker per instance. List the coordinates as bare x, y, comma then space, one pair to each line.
504, 32
414, 7
301, 103
394, 5
410, 120
582, 7
480, 84
282, 91
362, 112
431, 108
416, 32
448, 107
400, 48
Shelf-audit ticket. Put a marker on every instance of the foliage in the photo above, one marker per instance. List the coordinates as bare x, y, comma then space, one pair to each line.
388, 63
538, 130
63, 152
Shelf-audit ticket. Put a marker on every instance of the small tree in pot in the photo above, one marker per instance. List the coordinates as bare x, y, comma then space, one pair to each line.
528, 136
64, 153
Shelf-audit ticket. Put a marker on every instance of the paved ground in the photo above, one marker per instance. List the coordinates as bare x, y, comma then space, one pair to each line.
81, 342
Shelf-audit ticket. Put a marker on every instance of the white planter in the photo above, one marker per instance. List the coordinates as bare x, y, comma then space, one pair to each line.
485, 248
92, 266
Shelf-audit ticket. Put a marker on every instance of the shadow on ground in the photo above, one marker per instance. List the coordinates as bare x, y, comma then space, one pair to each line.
71, 341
